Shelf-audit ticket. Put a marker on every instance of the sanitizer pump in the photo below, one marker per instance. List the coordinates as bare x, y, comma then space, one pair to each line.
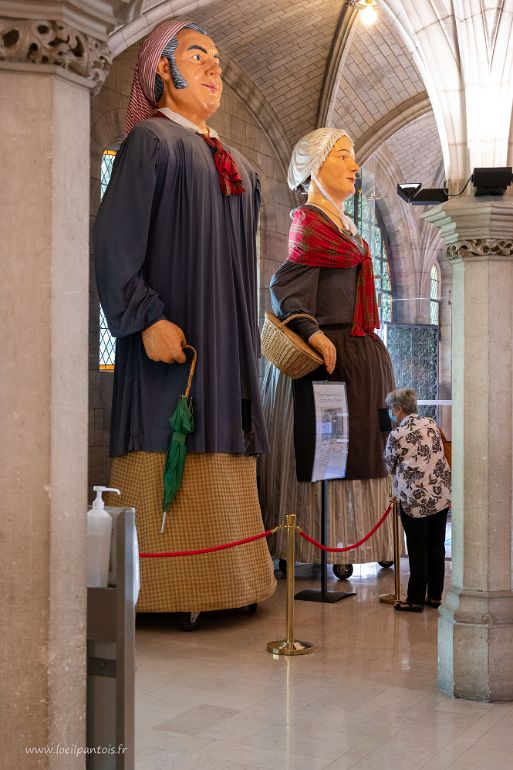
99, 528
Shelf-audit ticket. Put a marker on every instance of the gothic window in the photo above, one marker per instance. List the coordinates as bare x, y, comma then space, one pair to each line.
107, 343
363, 213
434, 293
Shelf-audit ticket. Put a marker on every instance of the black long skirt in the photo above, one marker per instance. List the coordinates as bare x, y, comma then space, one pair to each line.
364, 364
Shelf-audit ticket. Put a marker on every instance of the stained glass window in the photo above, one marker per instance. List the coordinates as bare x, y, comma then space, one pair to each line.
107, 346
413, 349
362, 210
106, 169
434, 293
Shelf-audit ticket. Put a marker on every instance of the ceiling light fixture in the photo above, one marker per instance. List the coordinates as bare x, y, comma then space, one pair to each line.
368, 10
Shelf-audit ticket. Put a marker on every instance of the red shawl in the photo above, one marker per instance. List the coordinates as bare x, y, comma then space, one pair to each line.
227, 171
315, 241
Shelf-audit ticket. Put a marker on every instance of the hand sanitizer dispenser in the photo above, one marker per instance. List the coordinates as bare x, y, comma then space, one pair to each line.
99, 529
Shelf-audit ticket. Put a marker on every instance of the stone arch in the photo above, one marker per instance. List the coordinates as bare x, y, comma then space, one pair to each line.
335, 64
466, 63
390, 124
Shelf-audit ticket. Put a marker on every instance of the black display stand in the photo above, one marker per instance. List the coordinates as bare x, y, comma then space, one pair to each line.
311, 594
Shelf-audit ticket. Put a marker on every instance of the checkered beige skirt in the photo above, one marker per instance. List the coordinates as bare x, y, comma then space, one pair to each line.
217, 503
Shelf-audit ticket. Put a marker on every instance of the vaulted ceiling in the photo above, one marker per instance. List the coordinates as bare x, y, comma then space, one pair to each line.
285, 48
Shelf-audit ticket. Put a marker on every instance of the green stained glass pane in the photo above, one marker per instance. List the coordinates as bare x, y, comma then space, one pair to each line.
106, 170
434, 283
107, 343
377, 239
371, 232
414, 353
365, 214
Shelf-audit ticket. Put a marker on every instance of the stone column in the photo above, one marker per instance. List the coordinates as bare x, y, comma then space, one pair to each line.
476, 618
48, 66
445, 320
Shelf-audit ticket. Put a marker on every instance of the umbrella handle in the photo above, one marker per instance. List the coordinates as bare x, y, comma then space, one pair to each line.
193, 367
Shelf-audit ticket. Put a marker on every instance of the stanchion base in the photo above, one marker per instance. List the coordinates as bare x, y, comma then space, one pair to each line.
388, 598
329, 597
283, 647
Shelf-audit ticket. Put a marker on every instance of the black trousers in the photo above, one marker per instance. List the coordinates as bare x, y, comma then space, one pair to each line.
425, 538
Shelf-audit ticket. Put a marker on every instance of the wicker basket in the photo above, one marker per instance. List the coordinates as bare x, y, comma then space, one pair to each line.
286, 349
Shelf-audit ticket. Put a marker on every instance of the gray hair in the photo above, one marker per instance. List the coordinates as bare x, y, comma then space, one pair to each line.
169, 54
404, 398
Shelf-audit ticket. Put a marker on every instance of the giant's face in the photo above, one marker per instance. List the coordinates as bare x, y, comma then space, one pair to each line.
338, 172
197, 61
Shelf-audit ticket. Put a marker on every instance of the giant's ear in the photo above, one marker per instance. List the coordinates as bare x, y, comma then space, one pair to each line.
163, 68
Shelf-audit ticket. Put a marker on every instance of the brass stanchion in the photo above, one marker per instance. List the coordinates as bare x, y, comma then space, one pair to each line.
395, 597
290, 646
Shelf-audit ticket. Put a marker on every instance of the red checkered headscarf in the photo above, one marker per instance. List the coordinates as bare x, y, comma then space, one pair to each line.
142, 102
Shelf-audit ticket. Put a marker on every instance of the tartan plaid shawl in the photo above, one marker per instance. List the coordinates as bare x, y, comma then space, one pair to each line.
315, 241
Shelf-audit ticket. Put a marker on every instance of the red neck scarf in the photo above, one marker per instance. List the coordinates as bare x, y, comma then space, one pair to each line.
315, 241
227, 171
229, 176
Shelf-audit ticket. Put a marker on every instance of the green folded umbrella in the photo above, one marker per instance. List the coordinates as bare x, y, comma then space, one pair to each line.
182, 423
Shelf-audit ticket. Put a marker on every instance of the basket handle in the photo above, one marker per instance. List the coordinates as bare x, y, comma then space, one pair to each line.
193, 367
294, 316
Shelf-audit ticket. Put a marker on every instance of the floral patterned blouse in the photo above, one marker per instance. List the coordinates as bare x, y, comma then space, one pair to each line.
414, 456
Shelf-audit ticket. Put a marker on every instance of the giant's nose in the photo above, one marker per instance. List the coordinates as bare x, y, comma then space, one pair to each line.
214, 66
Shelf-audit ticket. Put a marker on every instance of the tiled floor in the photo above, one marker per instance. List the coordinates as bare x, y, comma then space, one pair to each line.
365, 698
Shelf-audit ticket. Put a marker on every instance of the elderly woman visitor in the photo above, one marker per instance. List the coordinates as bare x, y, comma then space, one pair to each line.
329, 275
414, 456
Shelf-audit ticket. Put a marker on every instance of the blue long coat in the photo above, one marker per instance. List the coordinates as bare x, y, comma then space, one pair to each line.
168, 244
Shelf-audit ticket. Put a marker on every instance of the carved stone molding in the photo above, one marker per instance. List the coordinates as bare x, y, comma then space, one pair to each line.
25, 41
479, 247
487, 221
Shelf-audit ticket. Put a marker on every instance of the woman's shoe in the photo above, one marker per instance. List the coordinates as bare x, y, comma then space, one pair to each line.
407, 607
432, 603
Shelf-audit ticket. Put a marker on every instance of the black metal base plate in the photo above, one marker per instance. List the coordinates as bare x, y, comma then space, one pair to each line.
329, 597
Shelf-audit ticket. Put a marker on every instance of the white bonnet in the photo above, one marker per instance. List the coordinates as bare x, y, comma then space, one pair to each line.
310, 153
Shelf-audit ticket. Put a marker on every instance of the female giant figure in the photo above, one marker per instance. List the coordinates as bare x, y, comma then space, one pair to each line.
329, 275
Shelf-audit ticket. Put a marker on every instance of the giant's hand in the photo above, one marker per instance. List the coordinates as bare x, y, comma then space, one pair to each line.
326, 348
164, 341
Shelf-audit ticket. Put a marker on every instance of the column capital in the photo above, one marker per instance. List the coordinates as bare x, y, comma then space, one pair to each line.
475, 228
67, 38
93, 17
470, 219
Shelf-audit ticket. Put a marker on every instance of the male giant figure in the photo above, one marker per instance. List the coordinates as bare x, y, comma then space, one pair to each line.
176, 264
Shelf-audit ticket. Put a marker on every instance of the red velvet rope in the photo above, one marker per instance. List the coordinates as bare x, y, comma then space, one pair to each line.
208, 550
259, 537
348, 547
